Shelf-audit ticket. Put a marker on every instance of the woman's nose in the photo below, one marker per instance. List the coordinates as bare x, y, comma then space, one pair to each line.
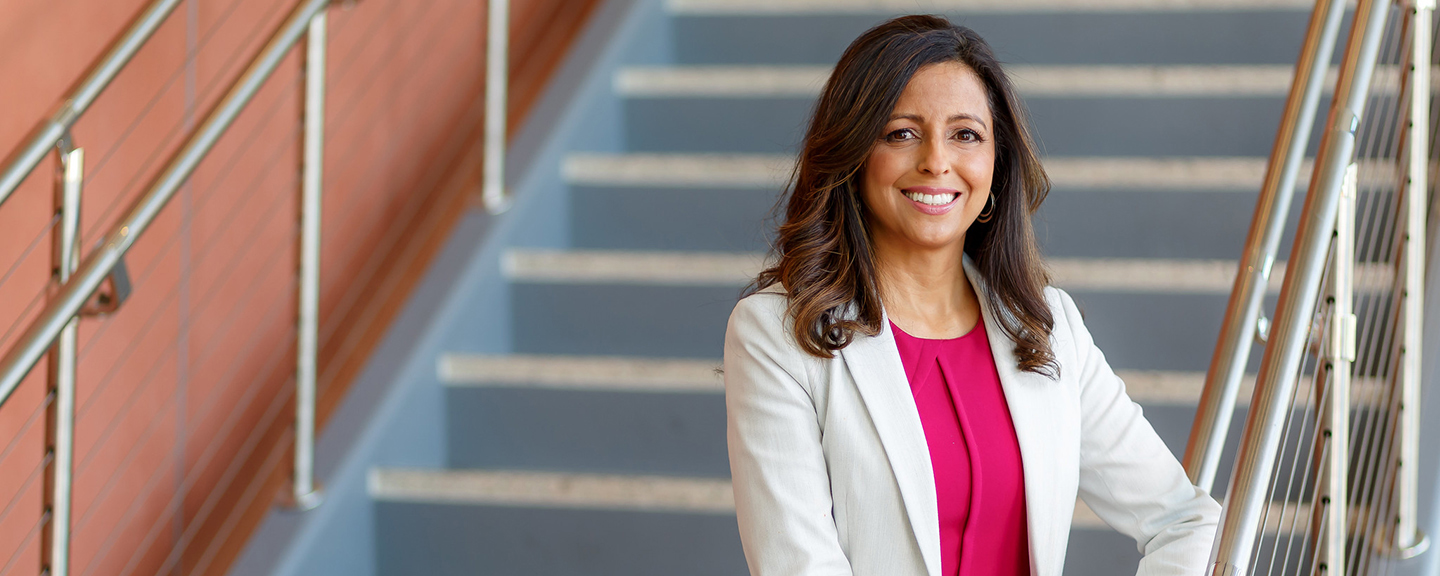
933, 158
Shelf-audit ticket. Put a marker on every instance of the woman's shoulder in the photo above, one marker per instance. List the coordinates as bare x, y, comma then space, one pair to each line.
764, 312
1069, 327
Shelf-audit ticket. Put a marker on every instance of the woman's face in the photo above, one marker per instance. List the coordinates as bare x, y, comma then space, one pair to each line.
928, 176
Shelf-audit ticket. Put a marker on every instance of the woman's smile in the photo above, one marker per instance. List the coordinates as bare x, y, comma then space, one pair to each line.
930, 200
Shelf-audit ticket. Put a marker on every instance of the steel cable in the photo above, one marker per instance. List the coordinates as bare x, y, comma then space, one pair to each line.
34, 416
331, 127
140, 337
34, 531
220, 81
1372, 352
25, 254
144, 112
199, 518
45, 461
411, 68
1376, 344
229, 268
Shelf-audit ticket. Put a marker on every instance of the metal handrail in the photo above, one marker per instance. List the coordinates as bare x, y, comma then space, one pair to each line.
55, 325
70, 297
50, 132
1242, 323
1280, 366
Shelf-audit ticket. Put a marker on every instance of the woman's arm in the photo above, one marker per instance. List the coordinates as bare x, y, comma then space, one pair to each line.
1127, 474
782, 486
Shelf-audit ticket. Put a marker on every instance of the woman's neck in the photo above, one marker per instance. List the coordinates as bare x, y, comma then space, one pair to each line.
926, 292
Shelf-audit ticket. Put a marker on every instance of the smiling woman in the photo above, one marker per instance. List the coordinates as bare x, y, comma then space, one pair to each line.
904, 392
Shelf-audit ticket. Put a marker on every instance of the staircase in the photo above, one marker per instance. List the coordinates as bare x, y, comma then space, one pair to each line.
576, 421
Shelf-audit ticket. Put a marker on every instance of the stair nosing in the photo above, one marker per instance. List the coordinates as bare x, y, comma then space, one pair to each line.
694, 268
722, 170
1078, 81
624, 374
840, 7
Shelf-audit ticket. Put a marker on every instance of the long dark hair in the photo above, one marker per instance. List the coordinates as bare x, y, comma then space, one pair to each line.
825, 261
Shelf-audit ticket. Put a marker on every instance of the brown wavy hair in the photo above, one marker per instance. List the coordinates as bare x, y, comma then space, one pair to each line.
825, 262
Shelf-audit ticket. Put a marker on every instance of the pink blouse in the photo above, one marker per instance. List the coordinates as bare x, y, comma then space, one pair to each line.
979, 478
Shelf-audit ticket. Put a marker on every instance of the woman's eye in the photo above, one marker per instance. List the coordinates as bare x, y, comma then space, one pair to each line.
900, 135
968, 135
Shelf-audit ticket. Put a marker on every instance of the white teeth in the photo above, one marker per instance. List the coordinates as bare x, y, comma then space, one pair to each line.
932, 199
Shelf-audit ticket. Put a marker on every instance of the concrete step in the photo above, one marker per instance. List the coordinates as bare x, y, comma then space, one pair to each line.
1123, 207
770, 171
677, 268
1041, 32
620, 375
1169, 331
1075, 111
801, 81
1147, 315
524, 522
1063, 126
1067, 81
648, 415
453, 522
764, 7
1071, 223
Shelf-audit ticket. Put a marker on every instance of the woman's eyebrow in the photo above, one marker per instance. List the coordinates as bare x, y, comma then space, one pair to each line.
920, 119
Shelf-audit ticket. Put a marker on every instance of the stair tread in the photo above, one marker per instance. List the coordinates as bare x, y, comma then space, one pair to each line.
708, 268
570, 490
684, 268
1033, 81
777, 7
515, 488
772, 170
615, 373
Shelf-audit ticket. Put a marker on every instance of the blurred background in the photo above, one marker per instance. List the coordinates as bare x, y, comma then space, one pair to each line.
525, 382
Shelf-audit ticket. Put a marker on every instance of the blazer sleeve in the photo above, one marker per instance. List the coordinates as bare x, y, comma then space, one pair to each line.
1127, 474
781, 483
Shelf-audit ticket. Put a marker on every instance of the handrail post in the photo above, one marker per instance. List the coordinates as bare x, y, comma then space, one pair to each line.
60, 415
1245, 500
1409, 541
52, 130
1232, 351
497, 63
1331, 492
305, 494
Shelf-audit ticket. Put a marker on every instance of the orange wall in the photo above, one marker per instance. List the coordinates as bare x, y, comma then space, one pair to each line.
197, 362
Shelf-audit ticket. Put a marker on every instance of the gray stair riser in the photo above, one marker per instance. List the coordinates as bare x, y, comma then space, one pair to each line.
631, 432
621, 432
1170, 126
1136, 331
708, 219
456, 539
1101, 552
463, 539
1162, 37
1071, 223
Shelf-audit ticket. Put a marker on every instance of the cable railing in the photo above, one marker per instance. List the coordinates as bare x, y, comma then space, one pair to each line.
87, 283
1325, 477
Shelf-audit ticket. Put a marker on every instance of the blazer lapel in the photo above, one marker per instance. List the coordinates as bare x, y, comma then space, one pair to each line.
874, 363
1030, 397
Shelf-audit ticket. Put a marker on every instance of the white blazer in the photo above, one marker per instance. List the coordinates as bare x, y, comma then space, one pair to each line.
832, 473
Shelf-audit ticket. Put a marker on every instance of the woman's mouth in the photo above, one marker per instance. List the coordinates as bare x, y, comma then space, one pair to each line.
934, 201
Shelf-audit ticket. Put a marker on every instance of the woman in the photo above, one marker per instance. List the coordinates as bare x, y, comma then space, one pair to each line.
905, 395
